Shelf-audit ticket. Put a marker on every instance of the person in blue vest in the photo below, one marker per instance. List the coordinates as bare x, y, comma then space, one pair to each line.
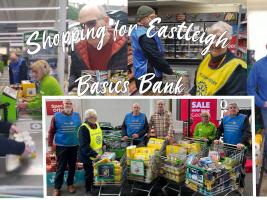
63, 132
148, 53
135, 125
18, 70
257, 87
91, 147
235, 129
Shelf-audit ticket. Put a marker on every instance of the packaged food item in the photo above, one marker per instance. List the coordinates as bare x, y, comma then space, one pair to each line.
155, 143
214, 155
109, 155
130, 151
28, 88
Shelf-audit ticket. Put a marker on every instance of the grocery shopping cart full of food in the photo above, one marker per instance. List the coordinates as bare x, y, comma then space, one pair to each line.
220, 173
173, 162
110, 174
143, 164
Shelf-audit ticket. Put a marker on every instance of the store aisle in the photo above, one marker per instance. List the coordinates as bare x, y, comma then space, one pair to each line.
4, 79
263, 190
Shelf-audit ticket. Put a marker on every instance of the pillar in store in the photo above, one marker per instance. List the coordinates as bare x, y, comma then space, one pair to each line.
61, 27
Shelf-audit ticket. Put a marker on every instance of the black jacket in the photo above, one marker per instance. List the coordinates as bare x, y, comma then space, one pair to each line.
235, 85
8, 146
23, 73
151, 52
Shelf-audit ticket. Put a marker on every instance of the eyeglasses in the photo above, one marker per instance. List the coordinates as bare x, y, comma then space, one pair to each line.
91, 23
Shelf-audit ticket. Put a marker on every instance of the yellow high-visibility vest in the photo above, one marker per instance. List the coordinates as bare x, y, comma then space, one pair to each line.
209, 81
96, 139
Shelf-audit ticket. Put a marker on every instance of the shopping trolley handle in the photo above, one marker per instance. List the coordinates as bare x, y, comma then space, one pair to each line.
195, 139
231, 145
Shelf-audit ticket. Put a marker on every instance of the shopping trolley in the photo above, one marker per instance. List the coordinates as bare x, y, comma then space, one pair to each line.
143, 173
110, 177
222, 179
173, 166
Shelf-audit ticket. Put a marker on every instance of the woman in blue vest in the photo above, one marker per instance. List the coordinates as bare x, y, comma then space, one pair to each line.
91, 143
147, 52
63, 132
235, 130
135, 125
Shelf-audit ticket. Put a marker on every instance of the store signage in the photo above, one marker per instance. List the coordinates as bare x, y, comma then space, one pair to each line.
197, 106
54, 106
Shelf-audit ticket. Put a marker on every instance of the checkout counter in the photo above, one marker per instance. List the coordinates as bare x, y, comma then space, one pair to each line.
21, 178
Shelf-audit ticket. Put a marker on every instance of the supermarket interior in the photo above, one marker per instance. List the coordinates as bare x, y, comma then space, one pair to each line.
185, 56
155, 166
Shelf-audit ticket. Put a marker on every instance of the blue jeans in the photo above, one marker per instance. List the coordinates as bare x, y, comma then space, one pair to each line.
264, 118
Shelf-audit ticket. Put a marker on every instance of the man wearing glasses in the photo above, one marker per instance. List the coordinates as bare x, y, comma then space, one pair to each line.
111, 56
148, 53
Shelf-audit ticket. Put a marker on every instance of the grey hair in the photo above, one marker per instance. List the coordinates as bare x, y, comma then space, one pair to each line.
205, 112
221, 27
233, 103
89, 113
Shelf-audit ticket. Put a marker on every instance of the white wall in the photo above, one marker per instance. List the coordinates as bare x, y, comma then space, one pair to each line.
257, 32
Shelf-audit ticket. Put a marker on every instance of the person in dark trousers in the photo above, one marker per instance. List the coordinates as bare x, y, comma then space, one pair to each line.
135, 125
91, 143
9, 146
235, 129
148, 53
63, 132
18, 70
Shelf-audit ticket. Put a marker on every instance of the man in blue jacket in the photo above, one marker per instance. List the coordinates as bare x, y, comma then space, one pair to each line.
18, 69
148, 53
135, 125
257, 87
63, 132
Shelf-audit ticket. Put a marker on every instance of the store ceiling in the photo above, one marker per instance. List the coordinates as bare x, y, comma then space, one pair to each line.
17, 16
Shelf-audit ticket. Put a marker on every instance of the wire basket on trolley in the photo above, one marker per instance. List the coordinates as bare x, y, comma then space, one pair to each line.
173, 161
110, 175
114, 143
143, 164
218, 174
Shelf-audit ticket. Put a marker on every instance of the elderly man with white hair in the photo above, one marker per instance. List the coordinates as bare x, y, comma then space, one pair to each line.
63, 132
220, 72
91, 142
205, 129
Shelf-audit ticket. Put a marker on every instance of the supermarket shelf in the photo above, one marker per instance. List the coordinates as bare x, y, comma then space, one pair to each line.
243, 22
242, 36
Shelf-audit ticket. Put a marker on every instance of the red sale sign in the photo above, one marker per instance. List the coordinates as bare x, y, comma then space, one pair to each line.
54, 106
196, 106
